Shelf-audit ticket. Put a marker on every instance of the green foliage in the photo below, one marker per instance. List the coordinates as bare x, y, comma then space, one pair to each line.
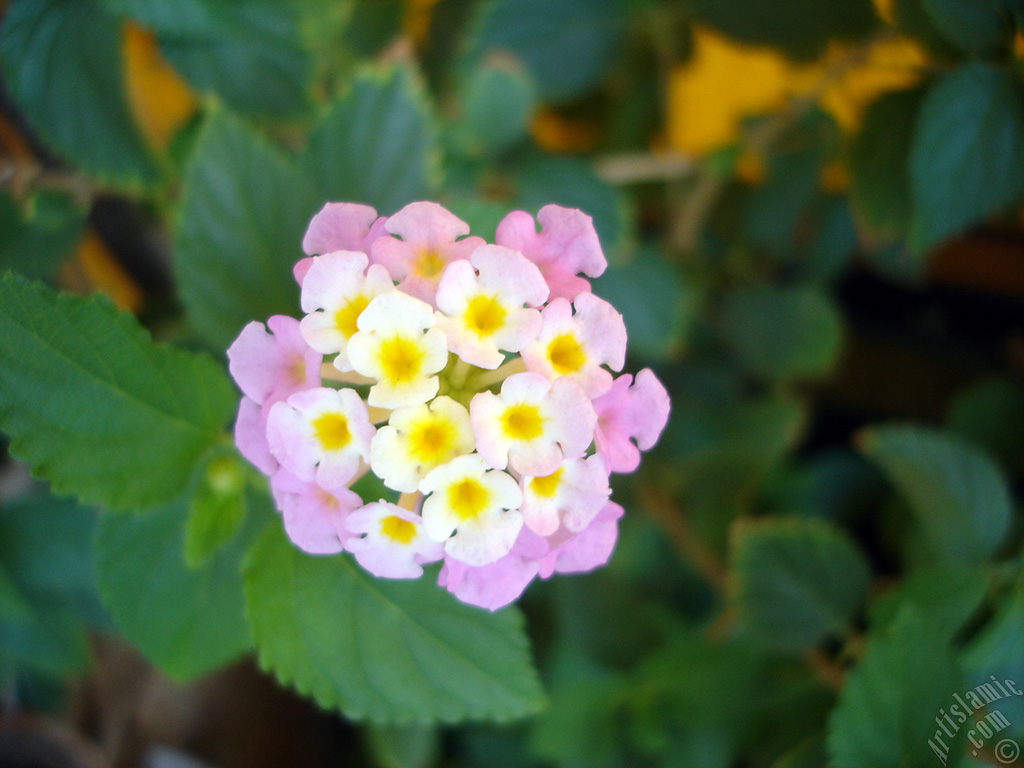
797, 581
94, 406
32, 242
879, 173
384, 650
973, 26
767, 568
945, 597
995, 652
403, 746
239, 230
802, 28
887, 708
655, 303
565, 44
216, 508
801, 341
47, 594
774, 208
188, 621
989, 414
62, 58
253, 58
967, 160
497, 101
959, 500
376, 144
248, 52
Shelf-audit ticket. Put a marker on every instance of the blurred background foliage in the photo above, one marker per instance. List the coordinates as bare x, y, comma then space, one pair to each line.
812, 214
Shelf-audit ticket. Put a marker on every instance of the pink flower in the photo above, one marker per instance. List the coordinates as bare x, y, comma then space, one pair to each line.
532, 424
589, 549
495, 585
473, 509
571, 496
321, 435
482, 314
566, 246
269, 367
337, 288
393, 544
626, 413
429, 242
251, 436
578, 345
314, 518
339, 227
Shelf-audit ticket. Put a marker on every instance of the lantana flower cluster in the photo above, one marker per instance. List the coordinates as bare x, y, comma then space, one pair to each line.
473, 379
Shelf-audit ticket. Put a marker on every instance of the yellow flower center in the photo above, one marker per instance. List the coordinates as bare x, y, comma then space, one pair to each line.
400, 359
547, 486
397, 529
331, 429
468, 498
430, 264
565, 354
431, 442
484, 315
522, 422
347, 315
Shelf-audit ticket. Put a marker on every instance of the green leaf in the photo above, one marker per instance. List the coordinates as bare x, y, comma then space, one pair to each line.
216, 508
239, 232
945, 597
887, 709
254, 58
995, 653
376, 145
782, 332
386, 650
579, 727
972, 26
958, 497
802, 28
47, 545
798, 581
989, 414
879, 162
497, 101
372, 24
46, 565
186, 621
182, 18
94, 406
834, 244
676, 711
248, 52
656, 304
774, 209
567, 45
912, 19
403, 746
834, 484
967, 160
34, 242
61, 61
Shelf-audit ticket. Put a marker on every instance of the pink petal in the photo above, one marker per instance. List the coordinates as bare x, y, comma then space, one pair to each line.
251, 437
339, 227
271, 366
